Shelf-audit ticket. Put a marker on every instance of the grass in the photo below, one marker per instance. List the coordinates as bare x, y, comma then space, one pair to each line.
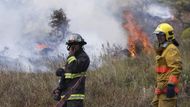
119, 82
26, 89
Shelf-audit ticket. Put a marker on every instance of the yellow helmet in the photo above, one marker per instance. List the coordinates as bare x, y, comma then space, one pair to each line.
167, 29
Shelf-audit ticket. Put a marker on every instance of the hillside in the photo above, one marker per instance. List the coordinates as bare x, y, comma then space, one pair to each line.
120, 82
126, 75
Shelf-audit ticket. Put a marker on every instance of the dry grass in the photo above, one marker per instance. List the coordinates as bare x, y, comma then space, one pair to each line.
26, 89
120, 82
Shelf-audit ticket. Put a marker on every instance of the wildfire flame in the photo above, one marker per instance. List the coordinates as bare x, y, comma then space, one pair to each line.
135, 35
41, 46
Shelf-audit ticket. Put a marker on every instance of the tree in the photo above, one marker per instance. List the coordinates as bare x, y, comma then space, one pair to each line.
59, 21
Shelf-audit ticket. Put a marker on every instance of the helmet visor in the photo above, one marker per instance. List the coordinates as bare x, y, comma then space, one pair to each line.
159, 33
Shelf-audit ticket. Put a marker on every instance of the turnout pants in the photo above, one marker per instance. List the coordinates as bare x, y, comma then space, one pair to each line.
163, 101
74, 103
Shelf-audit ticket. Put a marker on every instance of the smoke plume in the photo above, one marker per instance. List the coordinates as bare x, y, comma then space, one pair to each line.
23, 23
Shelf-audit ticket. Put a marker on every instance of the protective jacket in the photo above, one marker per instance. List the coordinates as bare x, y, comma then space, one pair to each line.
76, 67
168, 68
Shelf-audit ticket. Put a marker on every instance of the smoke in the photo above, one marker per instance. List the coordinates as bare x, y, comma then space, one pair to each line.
157, 10
25, 22
95, 21
148, 13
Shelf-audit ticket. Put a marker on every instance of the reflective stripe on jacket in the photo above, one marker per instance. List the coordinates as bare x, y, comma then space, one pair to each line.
75, 97
74, 75
168, 68
76, 67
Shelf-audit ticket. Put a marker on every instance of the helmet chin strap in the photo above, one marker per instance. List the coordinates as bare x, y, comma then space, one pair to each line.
164, 44
68, 47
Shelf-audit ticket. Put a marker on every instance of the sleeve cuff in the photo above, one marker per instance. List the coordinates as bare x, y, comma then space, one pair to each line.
173, 80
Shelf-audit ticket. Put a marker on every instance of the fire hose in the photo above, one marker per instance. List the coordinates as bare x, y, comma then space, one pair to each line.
68, 94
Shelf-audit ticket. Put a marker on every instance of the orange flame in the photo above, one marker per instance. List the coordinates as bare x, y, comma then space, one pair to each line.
41, 46
135, 35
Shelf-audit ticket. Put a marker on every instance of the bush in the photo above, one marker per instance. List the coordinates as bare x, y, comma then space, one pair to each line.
186, 34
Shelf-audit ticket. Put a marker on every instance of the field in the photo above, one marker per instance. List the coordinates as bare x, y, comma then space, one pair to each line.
119, 82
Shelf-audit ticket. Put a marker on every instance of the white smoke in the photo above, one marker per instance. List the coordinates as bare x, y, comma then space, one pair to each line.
23, 22
94, 20
18, 19
160, 11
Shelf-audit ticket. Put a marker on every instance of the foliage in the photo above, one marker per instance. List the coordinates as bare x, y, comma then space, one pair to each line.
186, 34
181, 5
58, 19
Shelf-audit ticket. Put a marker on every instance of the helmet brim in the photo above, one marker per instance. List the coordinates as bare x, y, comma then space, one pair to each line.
83, 43
158, 33
75, 43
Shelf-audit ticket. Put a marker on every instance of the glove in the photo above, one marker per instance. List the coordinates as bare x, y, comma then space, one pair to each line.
170, 91
159, 50
56, 94
60, 72
72, 50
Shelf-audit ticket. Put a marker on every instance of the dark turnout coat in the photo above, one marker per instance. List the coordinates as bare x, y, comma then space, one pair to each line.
76, 67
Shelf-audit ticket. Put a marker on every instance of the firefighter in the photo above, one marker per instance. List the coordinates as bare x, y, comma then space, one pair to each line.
168, 68
75, 68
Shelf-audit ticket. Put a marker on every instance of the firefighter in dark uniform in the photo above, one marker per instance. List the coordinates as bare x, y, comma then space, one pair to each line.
75, 68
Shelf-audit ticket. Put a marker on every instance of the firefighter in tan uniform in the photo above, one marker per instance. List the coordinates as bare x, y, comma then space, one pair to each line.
168, 67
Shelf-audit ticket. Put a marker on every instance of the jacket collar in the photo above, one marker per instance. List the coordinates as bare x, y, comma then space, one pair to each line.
79, 52
165, 44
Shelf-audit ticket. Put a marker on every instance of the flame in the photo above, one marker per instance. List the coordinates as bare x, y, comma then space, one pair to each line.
135, 35
41, 46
